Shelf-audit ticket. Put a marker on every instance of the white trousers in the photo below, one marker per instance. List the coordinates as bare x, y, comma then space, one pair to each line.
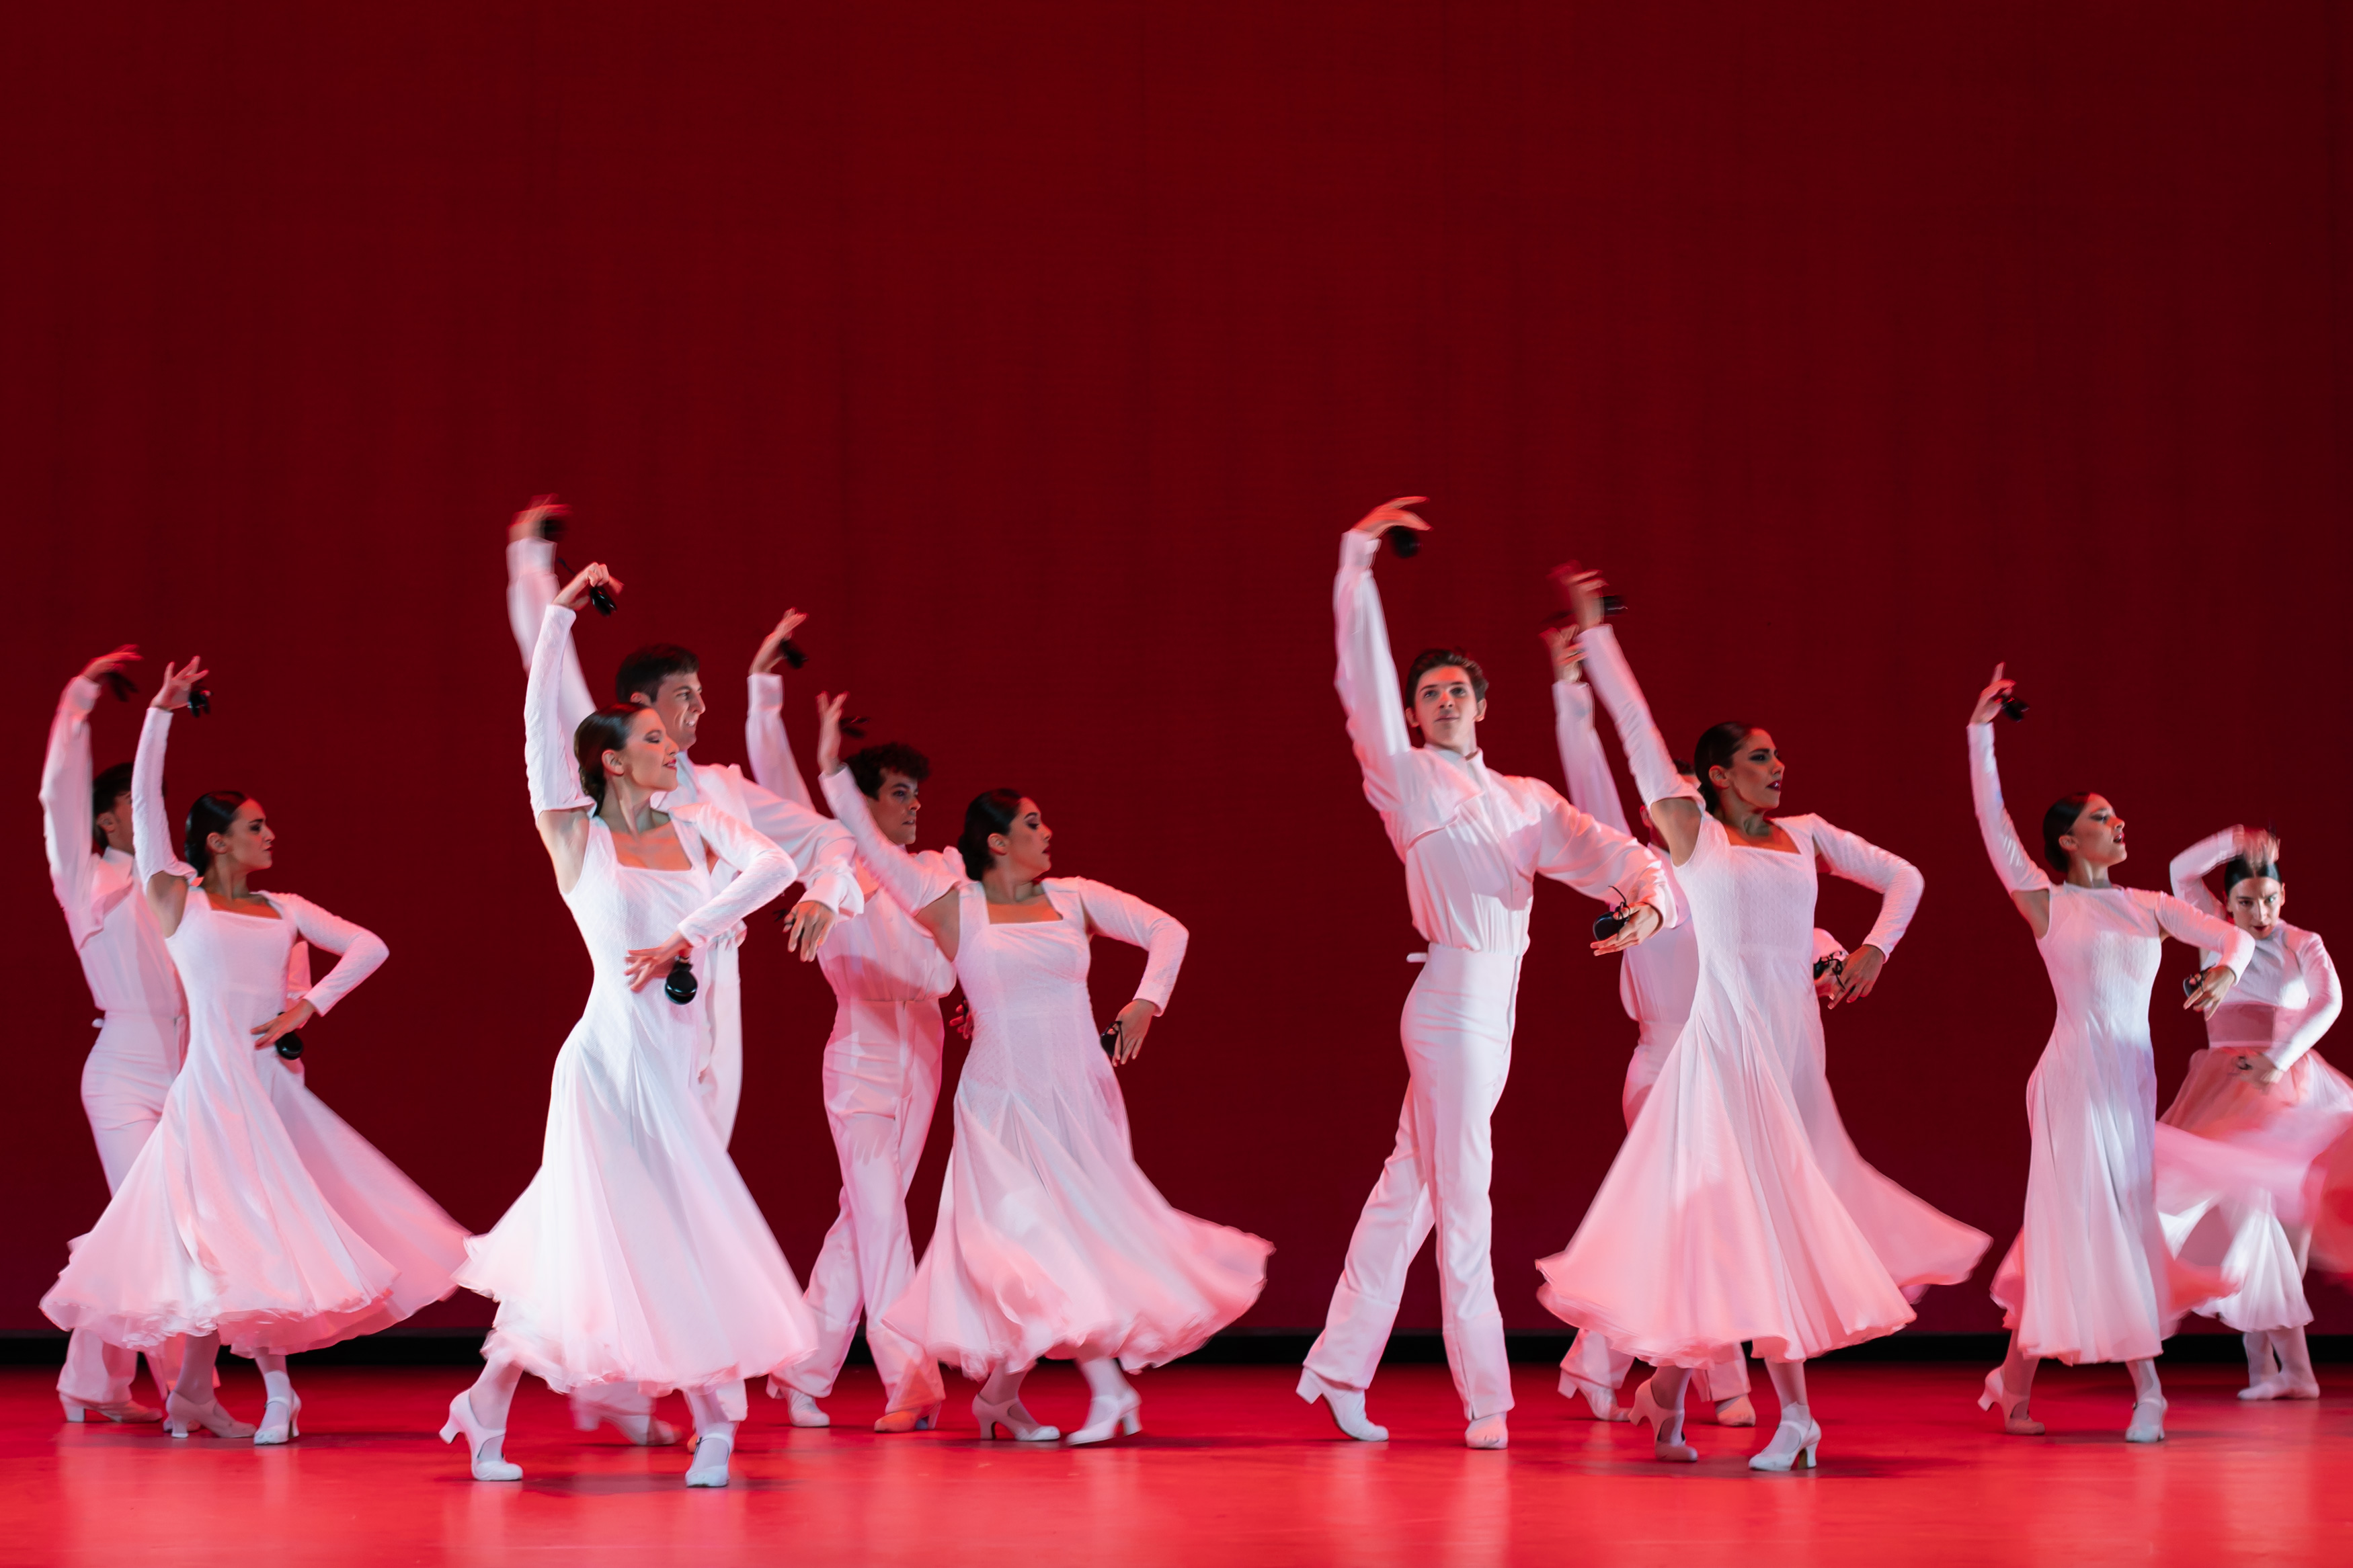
720, 1081
882, 1083
1456, 1034
123, 1083
1591, 1365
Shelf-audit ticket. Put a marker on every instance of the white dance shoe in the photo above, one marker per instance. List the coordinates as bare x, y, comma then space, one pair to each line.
182, 1416
127, 1411
640, 1427
1602, 1402
2014, 1418
910, 1417
1667, 1443
281, 1422
2279, 1386
482, 1443
1107, 1418
1346, 1405
1487, 1431
1794, 1443
2148, 1421
1018, 1424
711, 1453
802, 1410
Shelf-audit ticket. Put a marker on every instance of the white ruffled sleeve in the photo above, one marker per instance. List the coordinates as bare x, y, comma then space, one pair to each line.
2017, 869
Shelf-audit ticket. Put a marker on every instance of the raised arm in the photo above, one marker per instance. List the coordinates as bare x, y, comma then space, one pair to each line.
1897, 882
2311, 1021
2027, 885
765, 740
1367, 673
924, 889
2187, 870
1673, 799
559, 804
530, 589
1582, 762
66, 815
163, 876
1128, 918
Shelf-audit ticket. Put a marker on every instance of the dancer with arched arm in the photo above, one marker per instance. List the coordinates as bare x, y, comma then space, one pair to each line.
142, 1030
636, 1259
253, 1216
2090, 1277
1472, 841
1810, 1249
2260, 1086
882, 1072
1050, 1241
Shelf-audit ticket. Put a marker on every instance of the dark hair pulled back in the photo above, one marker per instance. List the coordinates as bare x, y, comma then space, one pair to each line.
1715, 750
111, 786
991, 811
212, 813
2237, 869
606, 730
2058, 821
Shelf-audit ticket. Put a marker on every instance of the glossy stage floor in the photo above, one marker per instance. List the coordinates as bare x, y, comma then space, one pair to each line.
1230, 1470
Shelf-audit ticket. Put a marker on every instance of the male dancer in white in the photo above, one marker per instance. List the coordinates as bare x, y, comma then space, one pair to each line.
665, 678
881, 1074
1472, 841
86, 830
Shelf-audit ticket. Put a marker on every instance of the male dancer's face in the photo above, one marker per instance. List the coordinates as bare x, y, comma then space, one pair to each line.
680, 703
115, 823
1446, 710
895, 806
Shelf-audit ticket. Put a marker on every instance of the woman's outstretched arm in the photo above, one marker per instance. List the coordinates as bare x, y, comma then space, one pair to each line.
2028, 886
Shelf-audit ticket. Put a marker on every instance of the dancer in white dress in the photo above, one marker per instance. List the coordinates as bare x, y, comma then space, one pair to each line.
635, 1260
881, 1073
2260, 1086
2091, 1277
253, 1216
142, 1030
1049, 1240
1472, 842
1814, 1249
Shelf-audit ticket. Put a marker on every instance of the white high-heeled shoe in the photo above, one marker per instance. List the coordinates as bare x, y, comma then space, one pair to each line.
128, 1411
1487, 1431
1018, 1424
711, 1455
181, 1416
482, 1443
642, 1428
1794, 1443
1106, 1418
1346, 1405
2148, 1421
1601, 1402
1667, 1443
281, 1421
910, 1417
2014, 1418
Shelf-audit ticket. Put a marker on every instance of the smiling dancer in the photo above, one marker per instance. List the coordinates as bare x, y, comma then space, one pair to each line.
86, 830
253, 1216
881, 1075
2091, 1277
636, 1259
2260, 1086
1808, 1248
1472, 841
1050, 1240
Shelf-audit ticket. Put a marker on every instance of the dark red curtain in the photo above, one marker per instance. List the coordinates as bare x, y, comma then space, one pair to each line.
1041, 351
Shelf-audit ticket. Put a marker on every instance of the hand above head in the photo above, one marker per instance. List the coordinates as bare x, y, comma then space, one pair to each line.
1392, 514
829, 732
806, 926
1852, 980
1989, 700
2212, 987
2256, 845
286, 1023
107, 664
528, 522
647, 963
772, 647
1566, 653
1641, 922
593, 576
1580, 593
177, 683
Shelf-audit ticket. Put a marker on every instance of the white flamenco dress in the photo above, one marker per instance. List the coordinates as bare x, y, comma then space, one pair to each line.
1049, 1240
253, 1212
636, 1260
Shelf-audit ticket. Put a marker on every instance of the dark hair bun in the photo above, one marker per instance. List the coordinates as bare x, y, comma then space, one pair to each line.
991, 811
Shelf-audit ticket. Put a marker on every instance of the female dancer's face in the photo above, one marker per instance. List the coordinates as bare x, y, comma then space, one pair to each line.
1753, 777
2255, 904
2098, 838
649, 761
246, 845
1025, 848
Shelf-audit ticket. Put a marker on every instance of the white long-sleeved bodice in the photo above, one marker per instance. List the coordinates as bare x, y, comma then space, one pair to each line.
1472, 840
2289, 996
114, 934
882, 955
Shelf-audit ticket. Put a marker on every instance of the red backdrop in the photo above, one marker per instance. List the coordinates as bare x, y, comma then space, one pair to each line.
1041, 351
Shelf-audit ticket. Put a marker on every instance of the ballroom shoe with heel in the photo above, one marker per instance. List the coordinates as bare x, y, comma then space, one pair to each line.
183, 1417
482, 1443
1666, 1431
